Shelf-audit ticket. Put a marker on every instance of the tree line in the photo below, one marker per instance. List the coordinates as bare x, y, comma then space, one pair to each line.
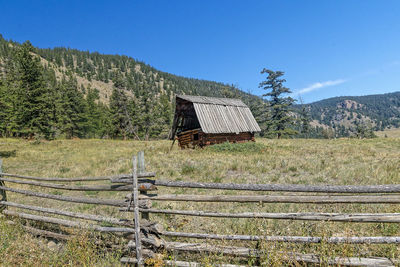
34, 103
42, 95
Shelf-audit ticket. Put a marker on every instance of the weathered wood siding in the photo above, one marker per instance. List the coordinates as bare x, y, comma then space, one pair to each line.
197, 137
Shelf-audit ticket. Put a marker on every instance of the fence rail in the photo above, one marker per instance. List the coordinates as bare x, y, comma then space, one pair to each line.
390, 188
146, 237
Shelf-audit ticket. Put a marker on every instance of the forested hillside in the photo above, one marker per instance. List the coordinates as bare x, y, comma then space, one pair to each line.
81, 94
68, 93
346, 114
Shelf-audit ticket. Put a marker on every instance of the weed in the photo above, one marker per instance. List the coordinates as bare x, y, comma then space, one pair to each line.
187, 168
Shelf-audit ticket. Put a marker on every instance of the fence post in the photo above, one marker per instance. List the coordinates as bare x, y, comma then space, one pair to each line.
136, 212
142, 169
2, 192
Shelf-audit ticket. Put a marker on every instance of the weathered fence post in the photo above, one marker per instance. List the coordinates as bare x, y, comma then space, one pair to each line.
136, 212
3, 196
142, 169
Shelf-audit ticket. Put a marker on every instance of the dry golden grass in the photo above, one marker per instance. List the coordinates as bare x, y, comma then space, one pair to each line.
341, 161
391, 133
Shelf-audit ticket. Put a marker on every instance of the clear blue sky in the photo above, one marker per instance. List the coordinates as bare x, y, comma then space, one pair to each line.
326, 48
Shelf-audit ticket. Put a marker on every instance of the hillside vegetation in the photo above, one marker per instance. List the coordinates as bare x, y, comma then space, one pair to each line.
345, 113
82, 94
63, 92
299, 161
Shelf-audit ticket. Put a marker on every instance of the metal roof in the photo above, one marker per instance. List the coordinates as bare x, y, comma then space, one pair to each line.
222, 115
213, 100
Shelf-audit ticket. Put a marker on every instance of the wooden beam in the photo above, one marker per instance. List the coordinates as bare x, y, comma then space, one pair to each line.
115, 187
136, 213
288, 256
68, 223
99, 201
291, 239
390, 188
3, 195
307, 216
196, 264
81, 179
83, 216
301, 199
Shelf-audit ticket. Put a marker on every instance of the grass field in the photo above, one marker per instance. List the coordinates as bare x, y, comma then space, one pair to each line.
295, 161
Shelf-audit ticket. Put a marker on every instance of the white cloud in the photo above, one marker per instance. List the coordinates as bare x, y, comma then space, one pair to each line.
319, 85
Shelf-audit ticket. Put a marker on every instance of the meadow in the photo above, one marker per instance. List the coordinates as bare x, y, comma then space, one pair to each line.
286, 161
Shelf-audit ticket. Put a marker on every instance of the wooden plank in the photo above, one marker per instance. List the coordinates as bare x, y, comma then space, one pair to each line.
142, 169
307, 216
196, 264
81, 179
291, 239
136, 213
46, 233
115, 187
390, 188
68, 223
3, 195
83, 216
40, 232
326, 199
99, 201
289, 256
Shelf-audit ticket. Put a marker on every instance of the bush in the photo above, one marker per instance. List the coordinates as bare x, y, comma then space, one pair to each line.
248, 147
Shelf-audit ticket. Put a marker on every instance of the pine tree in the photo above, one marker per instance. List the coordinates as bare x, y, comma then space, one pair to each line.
72, 110
5, 110
305, 120
280, 120
31, 99
119, 113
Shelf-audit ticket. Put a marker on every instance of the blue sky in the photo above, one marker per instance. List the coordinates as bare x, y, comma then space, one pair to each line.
325, 48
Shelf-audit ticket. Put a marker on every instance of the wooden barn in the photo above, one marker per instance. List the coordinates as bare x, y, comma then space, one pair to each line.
201, 121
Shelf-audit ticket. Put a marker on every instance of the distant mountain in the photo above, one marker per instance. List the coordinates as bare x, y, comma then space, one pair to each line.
379, 111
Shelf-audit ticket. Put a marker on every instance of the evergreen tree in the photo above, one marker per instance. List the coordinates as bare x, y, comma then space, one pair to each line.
305, 120
72, 110
120, 117
5, 110
31, 101
280, 120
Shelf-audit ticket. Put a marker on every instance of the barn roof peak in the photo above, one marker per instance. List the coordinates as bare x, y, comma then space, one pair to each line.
213, 100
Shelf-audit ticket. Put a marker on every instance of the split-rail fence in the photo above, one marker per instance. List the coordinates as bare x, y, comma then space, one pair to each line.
147, 238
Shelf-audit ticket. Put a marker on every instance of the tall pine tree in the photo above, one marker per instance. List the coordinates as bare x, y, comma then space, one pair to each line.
280, 120
31, 99
72, 111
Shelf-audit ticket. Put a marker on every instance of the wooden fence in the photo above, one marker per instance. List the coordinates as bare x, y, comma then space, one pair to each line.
147, 238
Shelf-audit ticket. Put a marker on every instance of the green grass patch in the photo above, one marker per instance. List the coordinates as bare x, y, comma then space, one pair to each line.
248, 147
